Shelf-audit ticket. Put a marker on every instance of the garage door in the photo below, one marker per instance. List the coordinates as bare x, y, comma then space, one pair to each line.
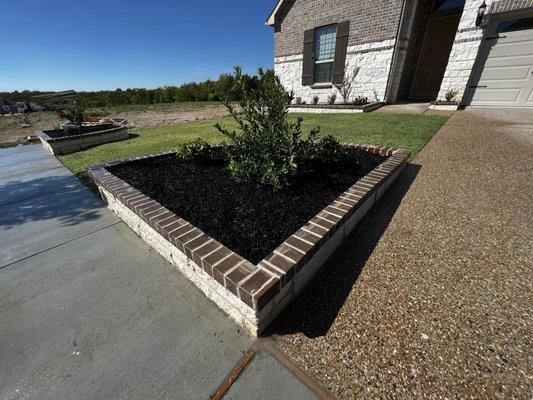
507, 75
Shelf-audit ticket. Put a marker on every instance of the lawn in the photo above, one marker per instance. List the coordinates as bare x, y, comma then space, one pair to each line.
410, 132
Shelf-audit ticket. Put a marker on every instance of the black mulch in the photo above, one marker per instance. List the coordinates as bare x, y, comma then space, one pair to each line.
251, 220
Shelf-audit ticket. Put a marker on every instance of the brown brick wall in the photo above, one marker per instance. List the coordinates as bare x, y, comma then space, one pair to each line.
416, 40
371, 21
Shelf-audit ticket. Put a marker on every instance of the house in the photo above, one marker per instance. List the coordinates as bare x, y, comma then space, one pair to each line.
407, 50
7, 107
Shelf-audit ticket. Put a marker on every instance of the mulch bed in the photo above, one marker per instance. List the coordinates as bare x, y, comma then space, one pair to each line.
251, 220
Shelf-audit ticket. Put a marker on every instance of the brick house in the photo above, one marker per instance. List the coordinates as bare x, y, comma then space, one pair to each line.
407, 50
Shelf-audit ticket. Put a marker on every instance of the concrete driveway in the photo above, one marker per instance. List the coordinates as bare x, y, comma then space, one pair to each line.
436, 295
88, 311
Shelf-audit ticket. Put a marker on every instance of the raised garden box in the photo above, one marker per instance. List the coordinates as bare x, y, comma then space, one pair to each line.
252, 293
335, 108
59, 142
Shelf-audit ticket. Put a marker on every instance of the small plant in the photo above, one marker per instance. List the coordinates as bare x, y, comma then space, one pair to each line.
268, 148
198, 150
360, 101
329, 150
74, 112
376, 97
451, 94
332, 99
299, 100
316, 99
317, 152
348, 82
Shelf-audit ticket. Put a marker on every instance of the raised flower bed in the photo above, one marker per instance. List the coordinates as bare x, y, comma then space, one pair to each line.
92, 133
250, 249
335, 108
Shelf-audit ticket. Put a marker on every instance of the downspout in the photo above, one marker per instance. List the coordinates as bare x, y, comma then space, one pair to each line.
394, 53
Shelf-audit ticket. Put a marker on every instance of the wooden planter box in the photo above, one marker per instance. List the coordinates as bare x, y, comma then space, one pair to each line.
253, 295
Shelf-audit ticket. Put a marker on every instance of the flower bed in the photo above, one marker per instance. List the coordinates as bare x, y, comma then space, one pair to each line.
335, 108
60, 141
249, 249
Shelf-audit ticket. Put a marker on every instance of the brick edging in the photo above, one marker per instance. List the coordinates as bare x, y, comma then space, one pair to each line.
294, 253
254, 285
225, 266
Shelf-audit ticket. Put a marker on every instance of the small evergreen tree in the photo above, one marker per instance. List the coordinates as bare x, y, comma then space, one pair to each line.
268, 148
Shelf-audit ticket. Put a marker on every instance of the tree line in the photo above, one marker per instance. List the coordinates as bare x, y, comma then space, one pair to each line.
209, 90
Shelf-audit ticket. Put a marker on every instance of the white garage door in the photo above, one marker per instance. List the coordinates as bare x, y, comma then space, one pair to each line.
507, 76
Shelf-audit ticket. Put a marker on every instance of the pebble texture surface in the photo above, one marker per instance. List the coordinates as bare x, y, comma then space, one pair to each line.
431, 297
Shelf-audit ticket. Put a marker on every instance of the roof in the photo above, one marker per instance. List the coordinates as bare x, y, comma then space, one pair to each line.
271, 21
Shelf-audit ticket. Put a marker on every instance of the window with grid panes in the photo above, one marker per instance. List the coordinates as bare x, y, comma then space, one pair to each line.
325, 40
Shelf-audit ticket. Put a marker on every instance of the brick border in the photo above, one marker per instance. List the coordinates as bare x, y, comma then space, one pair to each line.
261, 290
72, 143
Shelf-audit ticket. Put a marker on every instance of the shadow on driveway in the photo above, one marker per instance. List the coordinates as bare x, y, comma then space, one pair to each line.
53, 197
316, 308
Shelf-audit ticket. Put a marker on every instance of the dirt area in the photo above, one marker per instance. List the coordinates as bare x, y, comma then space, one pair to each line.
12, 133
147, 116
140, 116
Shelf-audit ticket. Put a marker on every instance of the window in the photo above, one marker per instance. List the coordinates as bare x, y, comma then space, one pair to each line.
325, 41
445, 5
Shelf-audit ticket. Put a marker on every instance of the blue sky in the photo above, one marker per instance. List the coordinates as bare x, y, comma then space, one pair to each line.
107, 44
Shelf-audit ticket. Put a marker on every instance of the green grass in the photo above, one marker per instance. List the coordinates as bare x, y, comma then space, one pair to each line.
410, 132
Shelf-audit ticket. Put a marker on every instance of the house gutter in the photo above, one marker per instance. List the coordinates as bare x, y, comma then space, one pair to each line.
394, 54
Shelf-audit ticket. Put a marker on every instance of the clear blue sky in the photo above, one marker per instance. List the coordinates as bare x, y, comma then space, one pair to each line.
107, 44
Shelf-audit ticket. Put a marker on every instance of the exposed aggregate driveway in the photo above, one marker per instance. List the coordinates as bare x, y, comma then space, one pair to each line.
431, 296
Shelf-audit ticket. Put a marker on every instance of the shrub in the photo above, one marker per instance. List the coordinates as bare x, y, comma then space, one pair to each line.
345, 88
316, 99
315, 153
329, 150
199, 150
451, 94
360, 100
332, 99
299, 100
268, 147
376, 96
73, 112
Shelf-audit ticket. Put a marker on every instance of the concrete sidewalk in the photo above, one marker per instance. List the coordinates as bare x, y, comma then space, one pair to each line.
88, 311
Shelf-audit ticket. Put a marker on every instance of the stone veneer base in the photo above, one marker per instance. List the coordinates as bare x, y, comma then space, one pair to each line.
74, 143
253, 295
444, 107
217, 293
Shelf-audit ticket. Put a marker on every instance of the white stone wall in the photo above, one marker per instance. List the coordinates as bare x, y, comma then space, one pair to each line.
373, 59
465, 49
222, 297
